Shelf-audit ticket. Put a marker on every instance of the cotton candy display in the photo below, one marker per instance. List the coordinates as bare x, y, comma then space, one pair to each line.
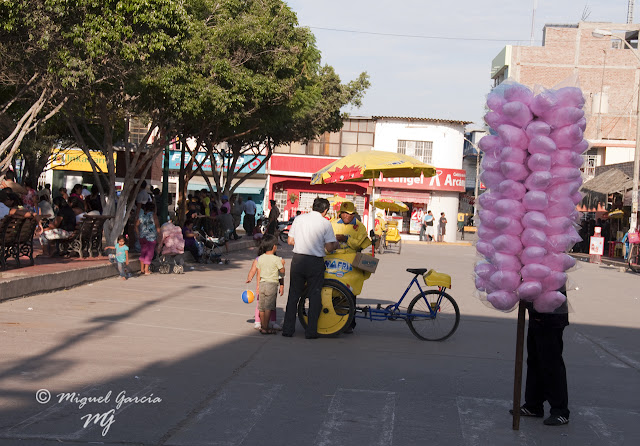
531, 168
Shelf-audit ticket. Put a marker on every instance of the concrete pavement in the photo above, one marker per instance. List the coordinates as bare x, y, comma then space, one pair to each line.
188, 340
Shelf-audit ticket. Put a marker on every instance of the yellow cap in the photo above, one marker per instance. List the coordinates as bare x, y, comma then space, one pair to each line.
347, 207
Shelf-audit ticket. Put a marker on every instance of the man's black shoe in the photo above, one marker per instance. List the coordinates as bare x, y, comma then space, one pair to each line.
524, 412
311, 336
287, 335
556, 420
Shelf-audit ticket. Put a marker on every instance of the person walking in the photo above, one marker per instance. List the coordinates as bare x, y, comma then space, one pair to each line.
249, 209
428, 226
146, 229
274, 213
546, 372
236, 213
442, 227
311, 234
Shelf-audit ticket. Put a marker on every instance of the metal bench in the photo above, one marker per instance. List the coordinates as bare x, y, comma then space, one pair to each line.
16, 239
87, 237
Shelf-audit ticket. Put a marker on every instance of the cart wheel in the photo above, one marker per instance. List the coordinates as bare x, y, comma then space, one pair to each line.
433, 316
164, 269
178, 269
399, 246
337, 312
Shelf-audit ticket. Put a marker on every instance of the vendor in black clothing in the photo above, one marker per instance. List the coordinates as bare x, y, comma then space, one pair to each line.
546, 372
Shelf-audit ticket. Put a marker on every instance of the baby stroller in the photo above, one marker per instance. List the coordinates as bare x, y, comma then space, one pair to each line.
211, 248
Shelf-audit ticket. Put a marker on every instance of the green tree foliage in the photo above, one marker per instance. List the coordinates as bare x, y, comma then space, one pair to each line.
249, 77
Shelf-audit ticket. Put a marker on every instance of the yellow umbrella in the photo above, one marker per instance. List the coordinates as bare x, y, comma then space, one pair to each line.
369, 165
391, 205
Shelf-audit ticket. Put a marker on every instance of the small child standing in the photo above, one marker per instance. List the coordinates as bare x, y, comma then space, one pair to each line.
122, 257
252, 272
270, 269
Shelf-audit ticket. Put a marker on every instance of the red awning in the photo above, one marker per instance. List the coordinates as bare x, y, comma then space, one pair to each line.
407, 197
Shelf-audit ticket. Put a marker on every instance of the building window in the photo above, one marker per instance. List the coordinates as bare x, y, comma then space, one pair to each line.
305, 203
590, 162
137, 131
420, 150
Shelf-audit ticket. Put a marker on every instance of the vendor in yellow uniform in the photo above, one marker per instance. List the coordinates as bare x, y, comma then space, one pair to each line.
352, 236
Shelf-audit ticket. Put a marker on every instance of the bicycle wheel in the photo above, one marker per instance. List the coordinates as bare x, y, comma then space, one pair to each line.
634, 258
337, 312
427, 327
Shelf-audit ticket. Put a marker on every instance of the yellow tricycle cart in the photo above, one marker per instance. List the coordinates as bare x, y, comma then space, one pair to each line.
390, 237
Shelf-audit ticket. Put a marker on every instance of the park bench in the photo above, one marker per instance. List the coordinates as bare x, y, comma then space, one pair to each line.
87, 237
16, 239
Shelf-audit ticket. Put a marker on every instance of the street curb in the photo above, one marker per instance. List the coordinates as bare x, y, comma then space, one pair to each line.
603, 260
418, 242
28, 285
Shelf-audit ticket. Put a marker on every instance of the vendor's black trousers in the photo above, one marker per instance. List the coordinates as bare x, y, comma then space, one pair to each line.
546, 373
306, 271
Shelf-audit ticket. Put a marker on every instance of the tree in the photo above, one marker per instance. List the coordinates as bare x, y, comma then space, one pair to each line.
249, 79
31, 73
125, 42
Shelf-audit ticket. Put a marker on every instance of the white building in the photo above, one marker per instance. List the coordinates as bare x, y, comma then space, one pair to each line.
438, 142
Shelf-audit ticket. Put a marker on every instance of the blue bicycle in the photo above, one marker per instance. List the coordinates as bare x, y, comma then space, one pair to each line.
432, 315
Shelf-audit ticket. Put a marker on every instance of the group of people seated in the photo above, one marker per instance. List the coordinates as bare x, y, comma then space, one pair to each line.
57, 217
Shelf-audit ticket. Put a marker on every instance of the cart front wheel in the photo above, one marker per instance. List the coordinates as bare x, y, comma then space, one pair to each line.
337, 312
433, 316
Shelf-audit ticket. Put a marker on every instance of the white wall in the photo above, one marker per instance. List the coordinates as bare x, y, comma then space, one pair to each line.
447, 139
446, 202
615, 155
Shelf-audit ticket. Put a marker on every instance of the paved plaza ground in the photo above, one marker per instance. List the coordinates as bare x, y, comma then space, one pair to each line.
185, 347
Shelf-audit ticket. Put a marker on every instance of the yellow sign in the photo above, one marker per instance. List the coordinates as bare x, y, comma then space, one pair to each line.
75, 159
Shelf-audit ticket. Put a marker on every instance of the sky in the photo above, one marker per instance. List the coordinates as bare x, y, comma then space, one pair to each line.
432, 58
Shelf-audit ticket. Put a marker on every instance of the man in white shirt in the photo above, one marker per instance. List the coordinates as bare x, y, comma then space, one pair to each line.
249, 221
311, 234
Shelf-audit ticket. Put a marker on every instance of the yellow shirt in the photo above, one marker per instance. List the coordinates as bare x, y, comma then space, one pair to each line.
207, 210
269, 266
357, 233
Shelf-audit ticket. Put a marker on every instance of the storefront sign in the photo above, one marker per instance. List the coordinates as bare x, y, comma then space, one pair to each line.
76, 160
174, 162
445, 180
417, 215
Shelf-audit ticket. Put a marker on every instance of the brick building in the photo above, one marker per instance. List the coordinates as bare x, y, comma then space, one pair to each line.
608, 73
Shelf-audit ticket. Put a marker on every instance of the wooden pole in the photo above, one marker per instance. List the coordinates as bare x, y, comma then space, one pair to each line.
517, 380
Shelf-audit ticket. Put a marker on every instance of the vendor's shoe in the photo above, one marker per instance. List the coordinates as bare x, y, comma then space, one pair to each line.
556, 420
524, 412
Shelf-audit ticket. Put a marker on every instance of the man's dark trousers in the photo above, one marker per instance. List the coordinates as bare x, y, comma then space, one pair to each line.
306, 271
546, 372
249, 223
